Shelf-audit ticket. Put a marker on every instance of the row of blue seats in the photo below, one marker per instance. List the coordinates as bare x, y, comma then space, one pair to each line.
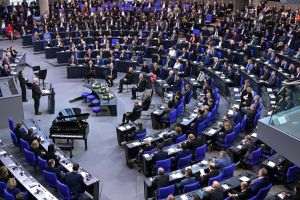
33, 160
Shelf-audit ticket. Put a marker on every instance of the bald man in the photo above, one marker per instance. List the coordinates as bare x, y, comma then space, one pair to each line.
36, 95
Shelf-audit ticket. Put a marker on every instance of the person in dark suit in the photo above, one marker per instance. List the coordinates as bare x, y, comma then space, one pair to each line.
246, 97
36, 95
111, 75
50, 154
212, 171
161, 180
19, 132
244, 194
128, 79
215, 192
75, 182
91, 71
188, 179
52, 167
160, 154
261, 181
132, 116
193, 142
29, 137
140, 87
22, 82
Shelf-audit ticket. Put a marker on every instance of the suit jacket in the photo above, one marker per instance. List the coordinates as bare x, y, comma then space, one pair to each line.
112, 72
160, 181
243, 195
216, 194
75, 183
141, 86
36, 91
129, 77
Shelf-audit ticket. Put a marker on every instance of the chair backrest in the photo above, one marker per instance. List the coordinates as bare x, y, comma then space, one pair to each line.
262, 193
164, 192
8, 195
200, 152
50, 178
184, 161
228, 171
292, 174
215, 178
229, 139
14, 138
30, 157
191, 187
172, 116
2, 188
180, 109
243, 123
63, 190
237, 129
24, 144
201, 126
42, 163
11, 124
180, 138
140, 135
165, 164
256, 155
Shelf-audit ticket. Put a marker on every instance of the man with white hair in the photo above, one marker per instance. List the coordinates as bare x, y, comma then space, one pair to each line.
140, 87
36, 95
161, 180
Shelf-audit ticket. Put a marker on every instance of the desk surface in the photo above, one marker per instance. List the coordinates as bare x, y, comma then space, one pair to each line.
65, 162
24, 178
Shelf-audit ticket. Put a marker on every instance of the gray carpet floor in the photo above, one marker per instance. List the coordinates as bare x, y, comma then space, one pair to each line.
104, 158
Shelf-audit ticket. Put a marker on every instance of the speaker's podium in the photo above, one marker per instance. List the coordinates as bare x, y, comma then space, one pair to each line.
281, 132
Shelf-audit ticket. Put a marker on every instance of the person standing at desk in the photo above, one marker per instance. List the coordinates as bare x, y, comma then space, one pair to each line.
22, 82
36, 95
75, 182
140, 87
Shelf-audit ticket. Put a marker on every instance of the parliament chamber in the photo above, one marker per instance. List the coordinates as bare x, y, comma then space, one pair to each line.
150, 99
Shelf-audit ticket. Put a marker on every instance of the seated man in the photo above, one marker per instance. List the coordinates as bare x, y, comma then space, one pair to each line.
209, 173
111, 75
74, 181
53, 168
193, 142
215, 192
161, 180
128, 79
188, 178
140, 87
261, 181
135, 114
244, 193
